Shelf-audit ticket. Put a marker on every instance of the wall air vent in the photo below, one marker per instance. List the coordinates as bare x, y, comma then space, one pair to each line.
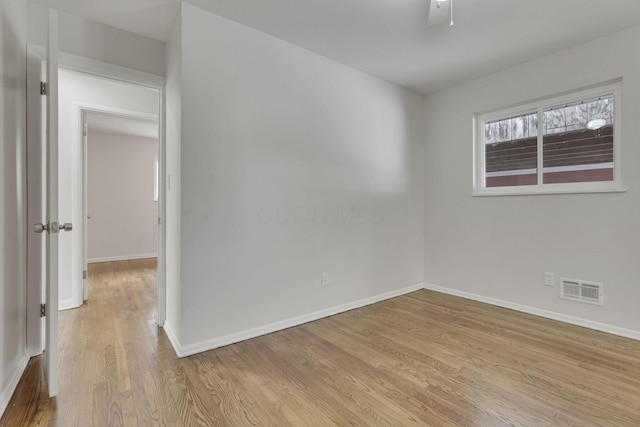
582, 291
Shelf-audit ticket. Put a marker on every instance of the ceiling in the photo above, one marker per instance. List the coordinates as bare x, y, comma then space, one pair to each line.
391, 39
122, 125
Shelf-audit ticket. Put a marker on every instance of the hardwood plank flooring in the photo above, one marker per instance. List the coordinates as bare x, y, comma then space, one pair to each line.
421, 359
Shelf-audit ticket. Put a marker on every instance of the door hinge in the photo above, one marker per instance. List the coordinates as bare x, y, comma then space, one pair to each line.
84, 274
43, 310
43, 88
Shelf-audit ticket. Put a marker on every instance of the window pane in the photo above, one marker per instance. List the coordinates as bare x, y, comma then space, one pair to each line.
578, 141
510, 151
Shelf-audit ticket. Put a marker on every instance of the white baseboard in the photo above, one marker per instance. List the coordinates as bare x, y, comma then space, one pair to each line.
172, 337
67, 304
121, 258
578, 321
6, 394
189, 350
192, 349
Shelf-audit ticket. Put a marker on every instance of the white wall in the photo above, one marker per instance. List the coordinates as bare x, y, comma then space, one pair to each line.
124, 216
291, 165
13, 42
173, 121
500, 247
78, 91
90, 39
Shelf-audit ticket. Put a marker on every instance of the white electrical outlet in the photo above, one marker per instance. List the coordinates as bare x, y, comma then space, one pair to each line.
549, 279
325, 279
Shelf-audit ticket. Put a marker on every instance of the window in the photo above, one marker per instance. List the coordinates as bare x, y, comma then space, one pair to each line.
565, 144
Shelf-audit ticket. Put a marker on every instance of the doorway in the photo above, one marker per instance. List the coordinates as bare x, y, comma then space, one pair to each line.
90, 86
115, 107
120, 189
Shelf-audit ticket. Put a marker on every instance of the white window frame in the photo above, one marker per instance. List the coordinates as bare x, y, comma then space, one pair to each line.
479, 152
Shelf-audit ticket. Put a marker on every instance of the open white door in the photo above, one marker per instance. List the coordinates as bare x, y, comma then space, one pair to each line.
42, 168
52, 226
52, 315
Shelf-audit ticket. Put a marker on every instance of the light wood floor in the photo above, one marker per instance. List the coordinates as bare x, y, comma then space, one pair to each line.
421, 359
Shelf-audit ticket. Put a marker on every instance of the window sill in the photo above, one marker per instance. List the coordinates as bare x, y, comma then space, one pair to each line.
547, 190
